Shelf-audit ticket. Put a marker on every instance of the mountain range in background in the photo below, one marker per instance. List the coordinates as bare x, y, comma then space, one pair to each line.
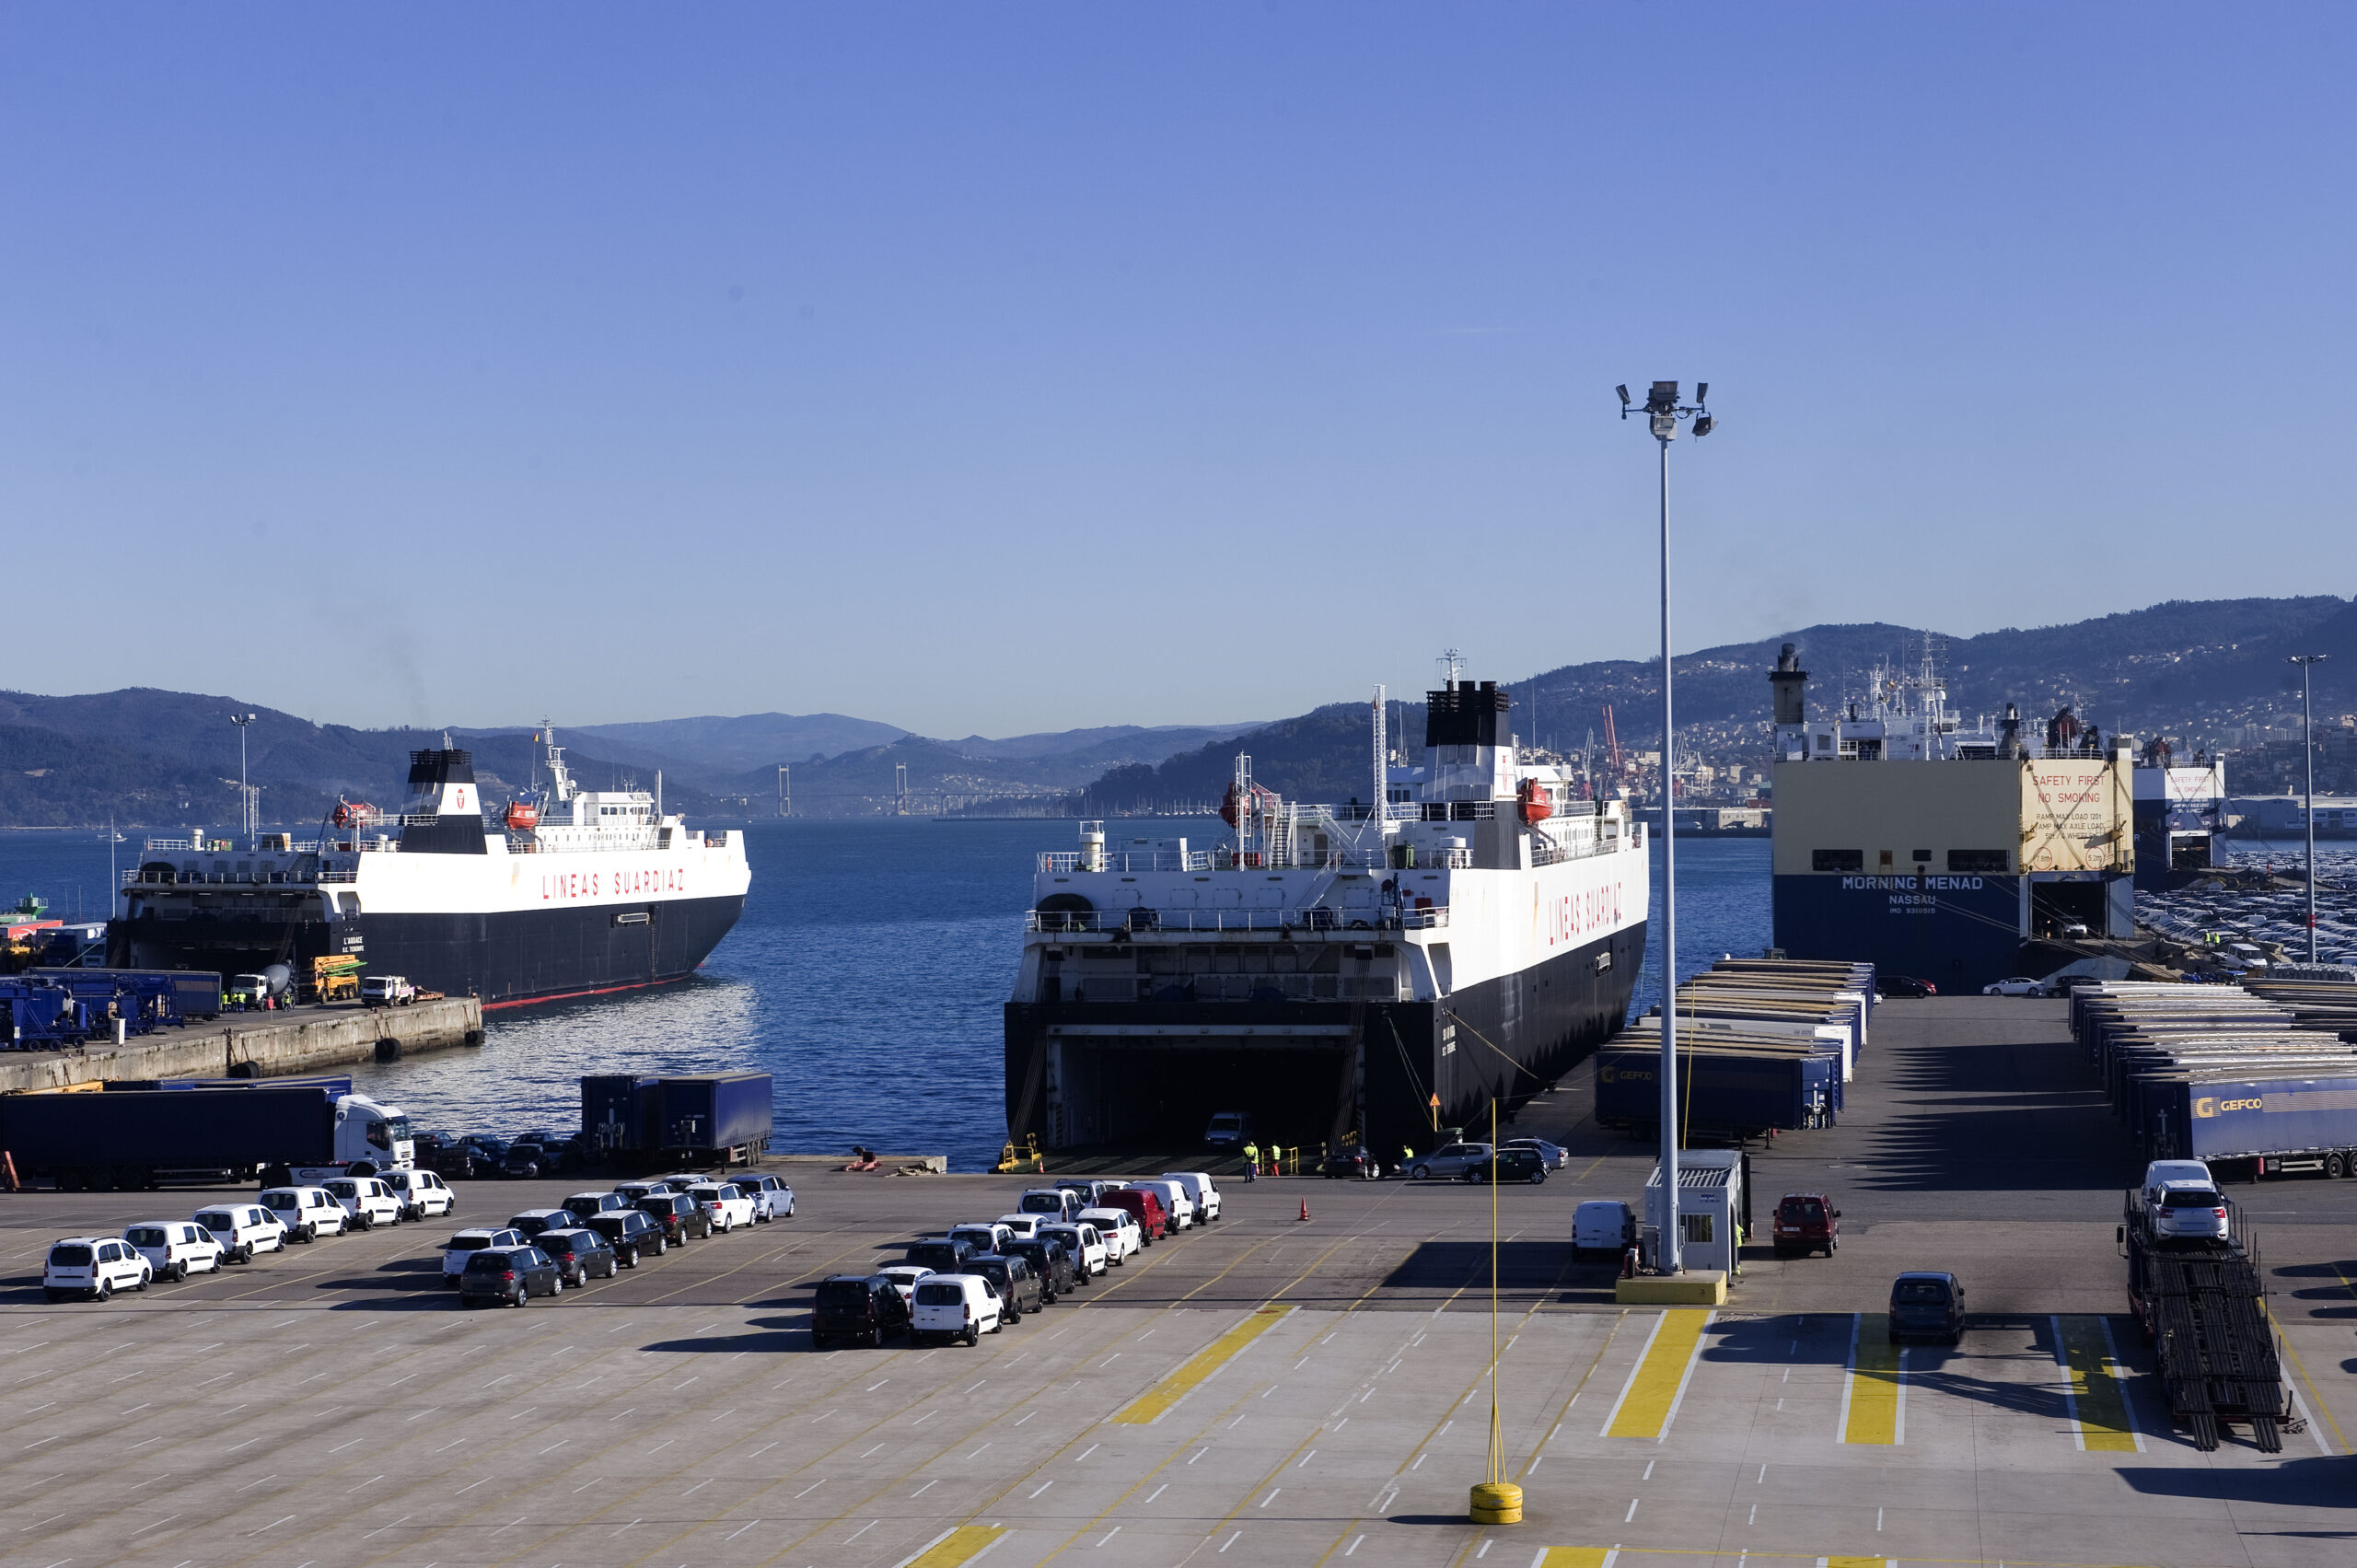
143, 757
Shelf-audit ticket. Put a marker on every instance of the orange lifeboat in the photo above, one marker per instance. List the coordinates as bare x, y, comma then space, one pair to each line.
523, 816
352, 813
1535, 805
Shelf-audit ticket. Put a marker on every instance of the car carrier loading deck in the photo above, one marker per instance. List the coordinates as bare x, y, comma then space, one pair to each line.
1296, 1393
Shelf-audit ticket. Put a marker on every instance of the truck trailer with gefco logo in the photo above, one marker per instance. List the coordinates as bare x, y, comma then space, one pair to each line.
2281, 1124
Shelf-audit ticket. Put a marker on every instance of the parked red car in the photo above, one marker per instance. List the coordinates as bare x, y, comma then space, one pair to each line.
1152, 1218
1805, 1222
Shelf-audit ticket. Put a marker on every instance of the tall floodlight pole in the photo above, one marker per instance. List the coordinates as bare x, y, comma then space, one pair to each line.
2308, 738
1663, 411
245, 794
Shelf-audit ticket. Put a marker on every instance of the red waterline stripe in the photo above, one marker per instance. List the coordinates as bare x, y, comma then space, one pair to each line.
569, 995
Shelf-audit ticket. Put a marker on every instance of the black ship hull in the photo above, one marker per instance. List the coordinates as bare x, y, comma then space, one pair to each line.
508, 958
1152, 1073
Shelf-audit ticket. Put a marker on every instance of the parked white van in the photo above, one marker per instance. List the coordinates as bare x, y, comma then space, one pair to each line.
1200, 1190
422, 1193
954, 1306
243, 1229
1604, 1225
306, 1212
174, 1248
93, 1266
367, 1199
1090, 1255
1174, 1200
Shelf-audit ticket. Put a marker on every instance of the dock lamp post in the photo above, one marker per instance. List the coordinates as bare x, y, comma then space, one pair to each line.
245, 795
2308, 740
1663, 411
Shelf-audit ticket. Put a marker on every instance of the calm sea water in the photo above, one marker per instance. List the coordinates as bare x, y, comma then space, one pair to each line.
867, 974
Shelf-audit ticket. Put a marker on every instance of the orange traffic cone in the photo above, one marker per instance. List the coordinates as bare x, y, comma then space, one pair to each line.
1304, 1208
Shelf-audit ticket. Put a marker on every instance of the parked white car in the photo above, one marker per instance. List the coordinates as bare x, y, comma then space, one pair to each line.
174, 1248
366, 1199
423, 1194
306, 1212
954, 1306
1056, 1203
982, 1235
772, 1199
904, 1278
1123, 1237
725, 1202
1200, 1191
2019, 986
1025, 1226
243, 1229
1449, 1163
466, 1243
95, 1266
1174, 1200
2187, 1211
1086, 1242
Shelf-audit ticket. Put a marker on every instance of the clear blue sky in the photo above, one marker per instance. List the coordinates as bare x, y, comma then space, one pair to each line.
997, 368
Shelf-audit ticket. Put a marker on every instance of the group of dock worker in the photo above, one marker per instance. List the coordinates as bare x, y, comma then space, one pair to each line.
1252, 1152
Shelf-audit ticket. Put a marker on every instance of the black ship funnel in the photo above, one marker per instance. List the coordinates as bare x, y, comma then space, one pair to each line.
1790, 682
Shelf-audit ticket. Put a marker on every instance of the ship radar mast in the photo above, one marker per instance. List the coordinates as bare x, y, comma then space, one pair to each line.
565, 789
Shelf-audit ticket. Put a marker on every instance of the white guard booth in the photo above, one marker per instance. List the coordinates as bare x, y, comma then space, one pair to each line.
1714, 1206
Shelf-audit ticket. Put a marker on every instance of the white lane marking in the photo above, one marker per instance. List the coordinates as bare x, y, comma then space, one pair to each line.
1632, 1513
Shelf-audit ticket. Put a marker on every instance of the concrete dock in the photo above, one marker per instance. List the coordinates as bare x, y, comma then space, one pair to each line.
1264, 1391
262, 1045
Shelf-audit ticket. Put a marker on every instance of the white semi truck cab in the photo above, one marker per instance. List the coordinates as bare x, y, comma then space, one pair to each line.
368, 1133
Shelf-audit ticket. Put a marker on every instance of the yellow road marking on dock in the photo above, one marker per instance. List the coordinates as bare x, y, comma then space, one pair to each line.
1575, 1557
1155, 1402
2100, 1422
1857, 1562
1874, 1394
1658, 1380
955, 1547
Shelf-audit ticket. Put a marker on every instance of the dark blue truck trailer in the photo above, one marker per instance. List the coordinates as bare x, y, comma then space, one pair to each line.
130, 1139
699, 1118
1739, 1092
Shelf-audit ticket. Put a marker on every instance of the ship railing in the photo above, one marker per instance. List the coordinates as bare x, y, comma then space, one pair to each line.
1245, 988
1315, 921
1068, 861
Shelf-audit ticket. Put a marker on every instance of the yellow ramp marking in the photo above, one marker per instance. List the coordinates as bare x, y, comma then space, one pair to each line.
958, 1546
1857, 1562
1649, 1399
1574, 1557
2100, 1422
1874, 1395
1155, 1402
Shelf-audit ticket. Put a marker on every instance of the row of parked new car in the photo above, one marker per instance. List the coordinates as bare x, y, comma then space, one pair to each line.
597, 1235
977, 1277
220, 1234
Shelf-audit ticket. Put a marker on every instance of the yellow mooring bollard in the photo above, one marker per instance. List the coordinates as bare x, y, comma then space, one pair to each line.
1497, 1503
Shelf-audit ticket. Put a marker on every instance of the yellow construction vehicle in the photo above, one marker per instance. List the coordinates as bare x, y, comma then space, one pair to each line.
335, 978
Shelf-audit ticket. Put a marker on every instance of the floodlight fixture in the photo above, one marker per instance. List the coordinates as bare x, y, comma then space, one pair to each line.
1623, 390
1704, 425
1701, 392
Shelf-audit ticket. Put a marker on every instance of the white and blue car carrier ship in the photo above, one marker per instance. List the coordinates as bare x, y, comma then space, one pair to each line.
567, 893
1332, 969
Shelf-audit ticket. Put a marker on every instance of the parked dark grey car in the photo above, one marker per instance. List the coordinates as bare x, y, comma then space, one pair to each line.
631, 1234
511, 1274
1020, 1288
580, 1255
